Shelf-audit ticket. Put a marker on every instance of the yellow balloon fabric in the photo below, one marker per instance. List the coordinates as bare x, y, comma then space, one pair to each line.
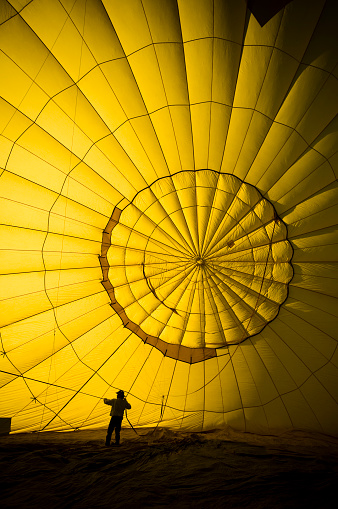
168, 214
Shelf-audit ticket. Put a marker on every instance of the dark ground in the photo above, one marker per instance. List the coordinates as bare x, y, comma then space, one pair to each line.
163, 469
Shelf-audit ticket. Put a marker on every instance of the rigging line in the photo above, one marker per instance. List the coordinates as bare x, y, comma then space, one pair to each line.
21, 375
128, 392
144, 363
185, 396
144, 401
75, 390
189, 272
175, 279
161, 415
35, 399
153, 291
130, 424
220, 387
96, 372
165, 399
146, 434
152, 385
126, 362
274, 398
70, 390
3, 352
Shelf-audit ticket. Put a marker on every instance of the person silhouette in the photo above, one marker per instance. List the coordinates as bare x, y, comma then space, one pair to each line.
118, 406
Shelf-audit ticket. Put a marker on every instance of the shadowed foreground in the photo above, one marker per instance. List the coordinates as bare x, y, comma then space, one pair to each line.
163, 468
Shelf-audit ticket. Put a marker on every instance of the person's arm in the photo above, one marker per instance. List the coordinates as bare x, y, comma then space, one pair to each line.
107, 401
128, 406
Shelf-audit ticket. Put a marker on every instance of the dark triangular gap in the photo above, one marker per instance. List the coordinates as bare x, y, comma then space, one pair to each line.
264, 10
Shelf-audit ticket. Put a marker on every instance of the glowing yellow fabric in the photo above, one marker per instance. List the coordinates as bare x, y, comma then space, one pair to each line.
168, 214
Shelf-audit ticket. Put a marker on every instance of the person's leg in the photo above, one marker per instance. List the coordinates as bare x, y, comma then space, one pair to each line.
110, 431
118, 429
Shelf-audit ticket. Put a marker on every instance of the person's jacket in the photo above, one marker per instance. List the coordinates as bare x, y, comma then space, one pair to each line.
118, 406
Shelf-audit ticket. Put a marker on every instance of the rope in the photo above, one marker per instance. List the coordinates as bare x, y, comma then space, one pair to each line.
160, 419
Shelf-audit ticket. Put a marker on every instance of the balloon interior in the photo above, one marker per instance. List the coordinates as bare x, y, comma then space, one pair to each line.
168, 214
